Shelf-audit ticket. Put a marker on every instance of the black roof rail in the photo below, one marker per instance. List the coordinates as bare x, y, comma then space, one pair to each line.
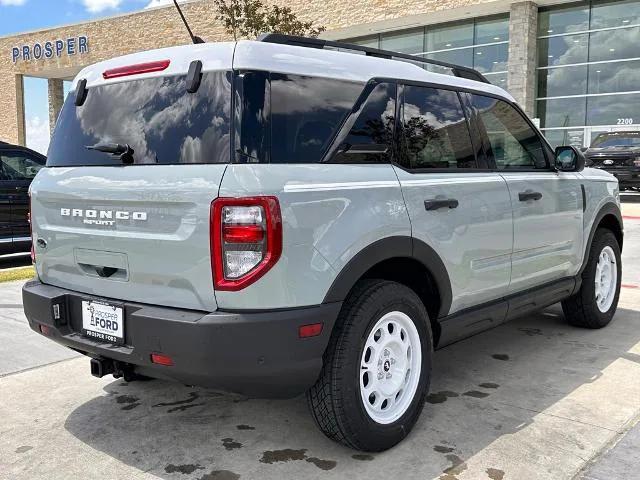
457, 70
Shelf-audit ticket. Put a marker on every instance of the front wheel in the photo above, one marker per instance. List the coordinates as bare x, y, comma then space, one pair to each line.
594, 305
377, 368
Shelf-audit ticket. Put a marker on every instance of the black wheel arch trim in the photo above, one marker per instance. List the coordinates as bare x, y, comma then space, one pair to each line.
608, 208
387, 249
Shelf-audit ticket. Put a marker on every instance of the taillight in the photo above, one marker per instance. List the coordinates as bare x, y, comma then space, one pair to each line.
246, 240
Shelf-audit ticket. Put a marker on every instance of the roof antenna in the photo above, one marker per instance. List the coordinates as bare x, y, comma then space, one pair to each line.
194, 38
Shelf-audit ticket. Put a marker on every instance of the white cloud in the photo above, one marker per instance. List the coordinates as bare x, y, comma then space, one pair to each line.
16, 3
38, 134
97, 6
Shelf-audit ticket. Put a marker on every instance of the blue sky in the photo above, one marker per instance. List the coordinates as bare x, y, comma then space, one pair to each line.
25, 15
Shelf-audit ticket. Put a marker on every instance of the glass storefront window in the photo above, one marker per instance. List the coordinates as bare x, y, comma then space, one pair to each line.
371, 41
605, 14
614, 77
556, 138
492, 30
562, 112
563, 50
613, 110
459, 57
556, 82
614, 44
491, 58
499, 79
449, 36
411, 41
563, 20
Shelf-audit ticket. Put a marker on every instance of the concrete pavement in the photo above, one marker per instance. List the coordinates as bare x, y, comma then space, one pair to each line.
531, 399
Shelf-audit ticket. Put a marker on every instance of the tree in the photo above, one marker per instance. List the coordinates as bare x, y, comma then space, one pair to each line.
250, 18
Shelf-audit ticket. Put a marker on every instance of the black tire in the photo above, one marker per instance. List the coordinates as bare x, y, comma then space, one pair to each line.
335, 400
581, 309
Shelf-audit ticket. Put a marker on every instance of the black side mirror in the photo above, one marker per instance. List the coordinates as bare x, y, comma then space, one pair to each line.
569, 159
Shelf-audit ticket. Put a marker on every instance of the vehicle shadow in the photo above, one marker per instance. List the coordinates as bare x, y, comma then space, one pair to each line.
484, 390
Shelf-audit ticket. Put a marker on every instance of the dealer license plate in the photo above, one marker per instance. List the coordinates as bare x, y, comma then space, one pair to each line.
103, 321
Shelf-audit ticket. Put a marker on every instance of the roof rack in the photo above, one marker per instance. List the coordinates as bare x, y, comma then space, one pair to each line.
457, 70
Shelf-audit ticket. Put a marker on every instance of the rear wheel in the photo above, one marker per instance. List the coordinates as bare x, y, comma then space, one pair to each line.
594, 305
376, 368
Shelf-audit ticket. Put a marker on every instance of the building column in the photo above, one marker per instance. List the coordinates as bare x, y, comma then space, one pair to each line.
12, 123
21, 128
523, 38
56, 99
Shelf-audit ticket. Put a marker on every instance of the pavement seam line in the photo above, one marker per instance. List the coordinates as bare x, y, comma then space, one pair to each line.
558, 416
4, 375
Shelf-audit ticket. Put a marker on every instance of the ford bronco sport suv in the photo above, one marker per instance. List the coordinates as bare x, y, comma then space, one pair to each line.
294, 215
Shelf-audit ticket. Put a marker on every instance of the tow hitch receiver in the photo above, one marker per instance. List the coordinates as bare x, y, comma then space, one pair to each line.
101, 367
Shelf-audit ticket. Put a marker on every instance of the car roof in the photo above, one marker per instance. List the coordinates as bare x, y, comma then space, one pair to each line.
11, 146
281, 58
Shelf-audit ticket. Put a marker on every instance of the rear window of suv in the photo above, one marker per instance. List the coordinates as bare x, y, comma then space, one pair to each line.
156, 117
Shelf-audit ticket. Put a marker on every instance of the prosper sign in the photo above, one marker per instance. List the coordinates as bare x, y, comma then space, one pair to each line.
50, 49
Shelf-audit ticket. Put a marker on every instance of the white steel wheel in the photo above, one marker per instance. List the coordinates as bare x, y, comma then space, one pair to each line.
606, 279
390, 367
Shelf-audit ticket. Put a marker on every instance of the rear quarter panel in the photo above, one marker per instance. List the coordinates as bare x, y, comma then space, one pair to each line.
329, 213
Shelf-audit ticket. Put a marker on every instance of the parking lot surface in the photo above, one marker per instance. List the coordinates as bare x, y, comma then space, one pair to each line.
531, 399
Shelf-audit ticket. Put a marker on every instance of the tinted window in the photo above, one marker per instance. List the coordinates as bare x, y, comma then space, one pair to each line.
513, 142
306, 113
370, 129
435, 132
627, 139
18, 166
157, 117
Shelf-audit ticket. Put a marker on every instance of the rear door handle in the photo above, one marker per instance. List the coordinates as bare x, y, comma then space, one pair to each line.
435, 204
529, 195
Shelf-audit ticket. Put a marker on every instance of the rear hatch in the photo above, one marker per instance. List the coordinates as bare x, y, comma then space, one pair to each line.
139, 231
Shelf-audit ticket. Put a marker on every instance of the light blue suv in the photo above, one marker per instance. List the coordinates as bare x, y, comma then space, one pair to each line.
296, 215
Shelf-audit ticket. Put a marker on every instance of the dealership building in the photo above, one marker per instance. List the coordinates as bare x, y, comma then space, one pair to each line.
575, 66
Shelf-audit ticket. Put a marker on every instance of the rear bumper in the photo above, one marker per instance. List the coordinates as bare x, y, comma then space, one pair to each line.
258, 354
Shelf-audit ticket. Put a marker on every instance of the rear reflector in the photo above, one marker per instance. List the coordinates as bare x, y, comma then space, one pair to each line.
160, 359
136, 69
312, 330
45, 330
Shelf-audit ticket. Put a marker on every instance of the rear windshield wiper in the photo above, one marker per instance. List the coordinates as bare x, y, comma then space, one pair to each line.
124, 151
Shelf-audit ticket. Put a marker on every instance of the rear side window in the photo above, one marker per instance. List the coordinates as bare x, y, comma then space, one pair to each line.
435, 133
156, 117
514, 144
369, 134
16, 165
306, 113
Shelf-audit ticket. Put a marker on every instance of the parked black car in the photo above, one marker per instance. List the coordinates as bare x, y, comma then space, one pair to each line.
18, 166
617, 153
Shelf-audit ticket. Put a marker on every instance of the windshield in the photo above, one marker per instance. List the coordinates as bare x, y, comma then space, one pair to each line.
156, 117
631, 139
